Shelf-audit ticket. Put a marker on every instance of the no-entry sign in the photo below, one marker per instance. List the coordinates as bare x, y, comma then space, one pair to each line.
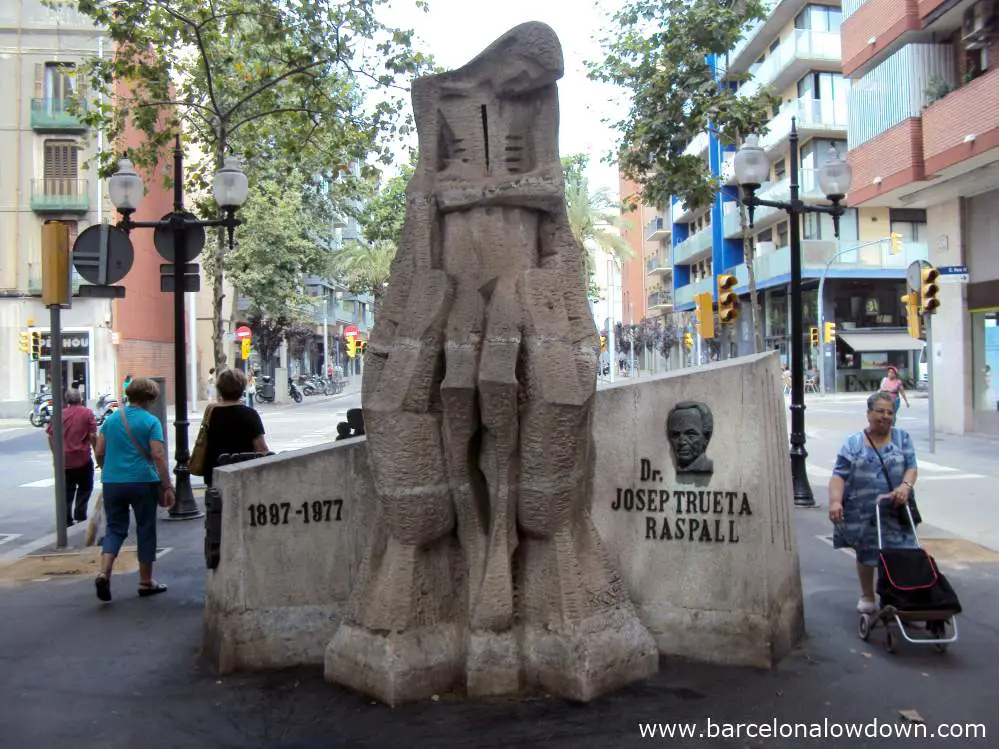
351, 331
243, 332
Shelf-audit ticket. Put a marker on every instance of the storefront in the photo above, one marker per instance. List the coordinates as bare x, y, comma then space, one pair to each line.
77, 363
863, 358
985, 370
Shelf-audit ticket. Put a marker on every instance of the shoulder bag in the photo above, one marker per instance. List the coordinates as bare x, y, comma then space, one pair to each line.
145, 454
916, 517
196, 465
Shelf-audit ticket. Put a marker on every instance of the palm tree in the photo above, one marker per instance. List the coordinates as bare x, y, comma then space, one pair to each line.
594, 218
364, 266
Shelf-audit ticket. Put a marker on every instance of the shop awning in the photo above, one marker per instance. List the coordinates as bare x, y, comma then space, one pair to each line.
861, 342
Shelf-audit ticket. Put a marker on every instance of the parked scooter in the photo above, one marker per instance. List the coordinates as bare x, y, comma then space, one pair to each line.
41, 412
293, 391
265, 390
107, 404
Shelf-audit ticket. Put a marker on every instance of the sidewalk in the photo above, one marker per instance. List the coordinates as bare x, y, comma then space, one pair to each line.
128, 674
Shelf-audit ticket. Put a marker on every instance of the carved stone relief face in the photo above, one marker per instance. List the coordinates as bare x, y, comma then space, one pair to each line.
688, 429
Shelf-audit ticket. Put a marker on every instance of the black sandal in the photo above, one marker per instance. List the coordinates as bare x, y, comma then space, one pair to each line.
103, 586
151, 589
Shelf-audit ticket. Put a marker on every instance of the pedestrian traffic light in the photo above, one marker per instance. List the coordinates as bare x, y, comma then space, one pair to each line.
704, 314
245, 349
688, 341
24, 339
815, 336
911, 302
896, 243
830, 332
930, 289
728, 300
36, 345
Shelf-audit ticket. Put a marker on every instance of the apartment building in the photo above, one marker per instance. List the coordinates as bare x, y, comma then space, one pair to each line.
924, 140
795, 52
45, 175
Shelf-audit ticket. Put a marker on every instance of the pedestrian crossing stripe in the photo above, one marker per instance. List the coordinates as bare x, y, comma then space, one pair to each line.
949, 474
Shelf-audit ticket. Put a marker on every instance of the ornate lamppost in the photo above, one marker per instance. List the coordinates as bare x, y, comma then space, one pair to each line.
752, 169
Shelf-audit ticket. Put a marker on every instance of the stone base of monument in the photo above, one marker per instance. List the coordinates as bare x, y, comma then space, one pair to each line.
602, 653
709, 559
396, 667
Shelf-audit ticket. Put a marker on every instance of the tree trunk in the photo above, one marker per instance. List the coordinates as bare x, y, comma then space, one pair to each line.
754, 303
218, 294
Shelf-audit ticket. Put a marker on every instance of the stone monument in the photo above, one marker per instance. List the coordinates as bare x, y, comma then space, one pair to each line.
485, 572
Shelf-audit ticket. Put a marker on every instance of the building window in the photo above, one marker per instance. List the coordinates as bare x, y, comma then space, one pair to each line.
60, 81
976, 62
780, 170
782, 234
831, 87
985, 360
60, 169
910, 223
819, 18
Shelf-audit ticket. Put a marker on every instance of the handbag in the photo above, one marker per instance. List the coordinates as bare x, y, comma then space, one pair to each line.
160, 489
916, 517
196, 464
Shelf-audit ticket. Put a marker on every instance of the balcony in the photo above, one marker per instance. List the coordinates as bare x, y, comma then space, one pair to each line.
658, 264
54, 115
802, 51
660, 300
954, 126
60, 195
684, 295
874, 260
698, 146
657, 229
679, 212
813, 117
727, 171
763, 216
693, 247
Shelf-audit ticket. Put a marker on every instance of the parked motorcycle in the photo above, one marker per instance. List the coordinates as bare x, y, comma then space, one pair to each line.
41, 412
293, 391
107, 404
265, 390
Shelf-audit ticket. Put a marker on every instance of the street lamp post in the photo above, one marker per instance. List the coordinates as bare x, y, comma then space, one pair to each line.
125, 190
752, 169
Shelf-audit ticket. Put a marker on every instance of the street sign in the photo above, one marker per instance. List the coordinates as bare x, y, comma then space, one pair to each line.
103, 254
351, 331
163, 239
192, 283
244, 332
953, 274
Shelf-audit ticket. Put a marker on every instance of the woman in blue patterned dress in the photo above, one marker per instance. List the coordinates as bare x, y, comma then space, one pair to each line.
858, 479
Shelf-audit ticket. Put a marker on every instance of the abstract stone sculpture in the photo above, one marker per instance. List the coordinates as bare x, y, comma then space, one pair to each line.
485, 571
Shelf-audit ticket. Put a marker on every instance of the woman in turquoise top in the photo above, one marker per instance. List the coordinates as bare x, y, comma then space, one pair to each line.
858, 480
131, 449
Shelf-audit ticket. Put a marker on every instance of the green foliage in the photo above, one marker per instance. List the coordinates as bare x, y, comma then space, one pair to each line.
273, 254
363, 267
268, 334
660, 51
383, 215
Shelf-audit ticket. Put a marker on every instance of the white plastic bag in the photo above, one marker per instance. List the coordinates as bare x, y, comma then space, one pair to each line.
97, 523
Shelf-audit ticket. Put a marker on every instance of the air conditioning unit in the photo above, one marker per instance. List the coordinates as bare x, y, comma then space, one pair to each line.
979, 22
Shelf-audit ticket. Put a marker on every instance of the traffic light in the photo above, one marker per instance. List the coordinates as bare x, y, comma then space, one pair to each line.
911, 302
361, 347
24, 341
830, 332
245, 349
728, 300
815, 336
351, 346
688, 341
36, 345
929, 290
704, 315
896, 243
603, 343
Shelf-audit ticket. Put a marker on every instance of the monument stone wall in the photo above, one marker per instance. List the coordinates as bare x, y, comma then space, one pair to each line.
707, 554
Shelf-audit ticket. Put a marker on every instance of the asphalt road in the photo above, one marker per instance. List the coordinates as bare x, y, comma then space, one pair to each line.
27, 503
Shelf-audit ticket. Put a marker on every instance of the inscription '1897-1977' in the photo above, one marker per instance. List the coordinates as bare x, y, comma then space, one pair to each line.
682, 514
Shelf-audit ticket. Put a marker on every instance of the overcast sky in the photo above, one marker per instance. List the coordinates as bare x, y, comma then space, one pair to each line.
455, 31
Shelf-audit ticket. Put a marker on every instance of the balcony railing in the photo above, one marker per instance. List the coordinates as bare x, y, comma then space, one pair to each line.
698, 145
658, 228
660, 299
685, 294
808, 190
658, 263
54, 114
803, 44
60, 195
752, 31
810, 114
679, 211
694, 245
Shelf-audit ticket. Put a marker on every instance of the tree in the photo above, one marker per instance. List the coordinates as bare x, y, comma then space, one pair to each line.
363, 267
268, 334
593, 219
383, 215
276, 82
664, 53
274, 254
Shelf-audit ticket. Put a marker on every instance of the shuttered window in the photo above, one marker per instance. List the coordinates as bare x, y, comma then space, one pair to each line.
60, 168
